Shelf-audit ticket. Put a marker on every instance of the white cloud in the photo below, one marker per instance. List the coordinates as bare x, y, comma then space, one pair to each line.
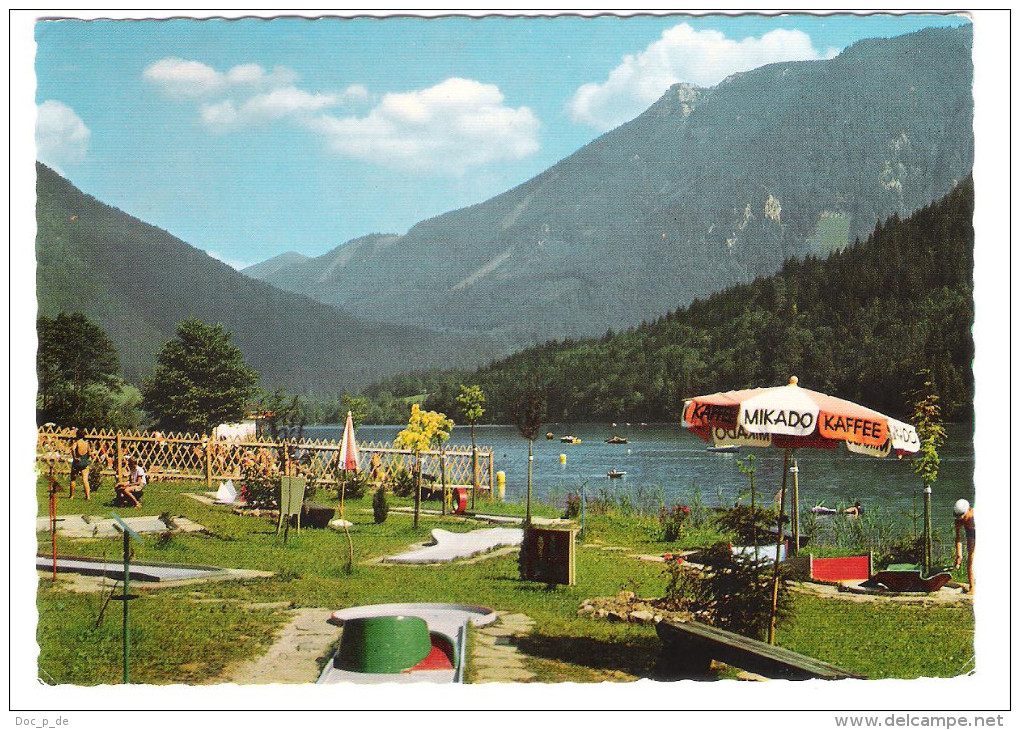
457, 124
286, 102
263, 108
220, 115
682, 54
61, 137
194, 79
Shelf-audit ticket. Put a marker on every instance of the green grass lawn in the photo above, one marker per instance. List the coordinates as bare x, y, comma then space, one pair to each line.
189, 634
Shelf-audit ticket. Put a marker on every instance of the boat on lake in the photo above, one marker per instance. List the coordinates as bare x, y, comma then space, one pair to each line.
617, 440
570, 440
728, 449
616, 474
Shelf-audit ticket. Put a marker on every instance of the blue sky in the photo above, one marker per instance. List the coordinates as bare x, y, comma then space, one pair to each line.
251, 137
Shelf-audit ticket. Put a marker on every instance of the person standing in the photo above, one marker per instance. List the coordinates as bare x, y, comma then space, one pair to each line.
81, 458
965, 524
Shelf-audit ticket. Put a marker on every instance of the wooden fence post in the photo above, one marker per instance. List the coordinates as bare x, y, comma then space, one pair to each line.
208, 463
120, 456
475, 479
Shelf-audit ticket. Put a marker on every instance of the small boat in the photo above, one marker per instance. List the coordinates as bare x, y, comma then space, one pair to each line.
728, 449
616, 474
549, 435
570, 440
617, 440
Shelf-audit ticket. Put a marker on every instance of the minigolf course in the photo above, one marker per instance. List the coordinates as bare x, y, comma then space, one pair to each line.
449, 546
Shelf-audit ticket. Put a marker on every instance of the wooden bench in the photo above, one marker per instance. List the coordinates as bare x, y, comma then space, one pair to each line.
688, 649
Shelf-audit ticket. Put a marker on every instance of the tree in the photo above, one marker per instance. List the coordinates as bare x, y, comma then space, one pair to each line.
284, 421
472, 407
201, 380
358, 408
932, 434
77, 367
528, 412
425, 430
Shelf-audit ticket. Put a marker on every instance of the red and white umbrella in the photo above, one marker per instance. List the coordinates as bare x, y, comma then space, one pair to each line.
792, 417
347, 460
349, 456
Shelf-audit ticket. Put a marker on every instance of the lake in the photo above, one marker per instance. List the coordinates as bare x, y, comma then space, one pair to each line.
675, 464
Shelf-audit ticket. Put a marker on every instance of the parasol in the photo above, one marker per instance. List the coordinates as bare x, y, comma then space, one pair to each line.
790, 417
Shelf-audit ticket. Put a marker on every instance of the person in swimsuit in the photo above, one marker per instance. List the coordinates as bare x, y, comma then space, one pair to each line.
854, 511
81, 458
965, 524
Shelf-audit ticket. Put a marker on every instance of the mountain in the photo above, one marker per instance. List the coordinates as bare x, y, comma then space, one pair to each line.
269, 267
138, 281
706, 189
861, 323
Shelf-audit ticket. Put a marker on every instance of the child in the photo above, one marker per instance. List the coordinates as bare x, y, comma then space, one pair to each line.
131, 490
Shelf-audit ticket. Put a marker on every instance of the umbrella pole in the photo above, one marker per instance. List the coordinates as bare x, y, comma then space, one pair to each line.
779, 544
795, 509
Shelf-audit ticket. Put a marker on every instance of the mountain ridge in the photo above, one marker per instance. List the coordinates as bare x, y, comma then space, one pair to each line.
138, 281
706, 188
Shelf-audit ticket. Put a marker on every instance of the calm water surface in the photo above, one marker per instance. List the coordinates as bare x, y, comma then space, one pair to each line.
674, 464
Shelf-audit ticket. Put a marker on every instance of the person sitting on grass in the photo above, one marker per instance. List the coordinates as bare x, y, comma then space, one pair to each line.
130, 491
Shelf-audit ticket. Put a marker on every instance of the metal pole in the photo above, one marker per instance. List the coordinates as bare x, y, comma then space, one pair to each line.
927, 557
492, 478
779, 543
795, 510
442, 476
531, 459
583, 500
127, 590
53, 519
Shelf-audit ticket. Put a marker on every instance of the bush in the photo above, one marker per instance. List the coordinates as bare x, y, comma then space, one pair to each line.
743, 522
741, 592
402, 483
258, 489
908, 549
573, 506
352, 484
686, 587
380, 507
672, 521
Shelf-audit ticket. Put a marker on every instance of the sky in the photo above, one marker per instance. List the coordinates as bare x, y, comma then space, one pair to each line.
248, 138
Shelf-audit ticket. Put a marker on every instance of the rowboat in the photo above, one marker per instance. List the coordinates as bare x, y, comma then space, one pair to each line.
616, 474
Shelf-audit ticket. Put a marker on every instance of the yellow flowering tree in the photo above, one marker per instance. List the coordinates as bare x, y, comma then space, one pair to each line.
425, 430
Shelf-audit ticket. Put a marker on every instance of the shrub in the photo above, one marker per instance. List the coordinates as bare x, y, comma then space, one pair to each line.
258, 489
672, 521
740, 591
402, 483
353, 484
686, 587
573, 506
380, 507
743, 522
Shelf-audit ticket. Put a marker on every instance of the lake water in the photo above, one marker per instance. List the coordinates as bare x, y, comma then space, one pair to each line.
674, 464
